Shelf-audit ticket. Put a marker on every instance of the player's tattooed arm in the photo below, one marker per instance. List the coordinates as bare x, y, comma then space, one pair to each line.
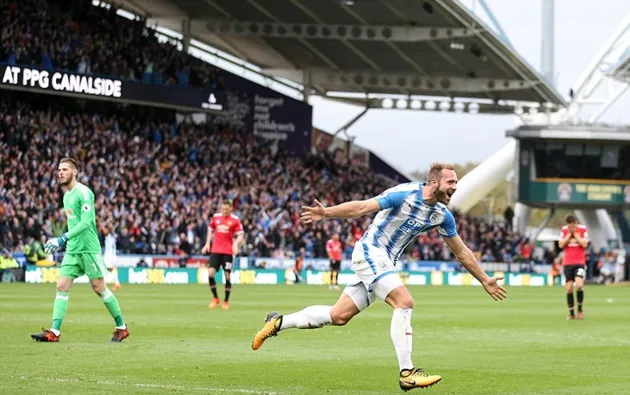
467, 258
352, 209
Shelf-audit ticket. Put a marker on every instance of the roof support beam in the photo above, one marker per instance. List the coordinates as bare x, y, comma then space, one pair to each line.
407, 82
511, 60
621, 70
186, 33
595, 85
351, 122
348, 44
341, 32
314, 50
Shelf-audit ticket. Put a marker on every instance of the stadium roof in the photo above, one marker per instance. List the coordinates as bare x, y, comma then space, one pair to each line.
621, 70
433, 48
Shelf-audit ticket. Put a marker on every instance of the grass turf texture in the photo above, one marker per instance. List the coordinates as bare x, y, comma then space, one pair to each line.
521, 346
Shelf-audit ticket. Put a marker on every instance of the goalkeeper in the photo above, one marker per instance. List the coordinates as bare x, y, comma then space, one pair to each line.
83, 254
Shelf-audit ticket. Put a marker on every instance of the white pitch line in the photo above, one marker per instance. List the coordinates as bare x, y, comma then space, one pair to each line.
141, 385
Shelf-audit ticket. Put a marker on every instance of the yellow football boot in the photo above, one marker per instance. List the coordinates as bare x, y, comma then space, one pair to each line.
271, 328
416, 378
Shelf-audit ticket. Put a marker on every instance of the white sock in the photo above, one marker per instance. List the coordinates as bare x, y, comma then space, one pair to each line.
124, 326
311, 317
55, 331
401, 333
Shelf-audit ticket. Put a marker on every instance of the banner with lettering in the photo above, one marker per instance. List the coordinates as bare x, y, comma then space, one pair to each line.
604, 193
270, 115
50, 275
110, 88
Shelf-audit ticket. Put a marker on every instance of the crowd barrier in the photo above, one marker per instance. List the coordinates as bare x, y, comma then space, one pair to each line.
38, 274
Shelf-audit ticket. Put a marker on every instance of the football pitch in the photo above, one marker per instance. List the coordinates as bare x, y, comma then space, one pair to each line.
523, 345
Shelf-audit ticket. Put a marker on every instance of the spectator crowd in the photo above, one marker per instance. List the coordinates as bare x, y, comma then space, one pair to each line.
157, 182
75, 36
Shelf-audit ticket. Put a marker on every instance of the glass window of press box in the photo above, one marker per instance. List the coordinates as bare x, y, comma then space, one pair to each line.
610, 161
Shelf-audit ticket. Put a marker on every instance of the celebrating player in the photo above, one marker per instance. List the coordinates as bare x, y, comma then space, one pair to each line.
333, 248
82, 256
404, 212
574, 240
224, 249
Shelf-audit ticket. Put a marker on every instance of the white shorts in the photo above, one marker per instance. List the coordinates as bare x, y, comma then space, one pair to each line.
374, 276
109, 261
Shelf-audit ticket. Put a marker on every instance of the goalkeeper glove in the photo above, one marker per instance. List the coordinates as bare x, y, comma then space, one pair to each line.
53, 245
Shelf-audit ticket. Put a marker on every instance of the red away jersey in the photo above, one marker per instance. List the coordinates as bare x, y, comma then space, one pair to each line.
334, 249
574, 253
224, 230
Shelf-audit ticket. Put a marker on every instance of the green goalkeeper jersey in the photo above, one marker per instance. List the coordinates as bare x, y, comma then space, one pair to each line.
79, 207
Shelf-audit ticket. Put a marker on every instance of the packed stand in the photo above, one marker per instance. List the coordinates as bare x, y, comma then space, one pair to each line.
76, 36
157, 183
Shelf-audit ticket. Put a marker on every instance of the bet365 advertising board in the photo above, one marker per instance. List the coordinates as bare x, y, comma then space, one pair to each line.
36, 274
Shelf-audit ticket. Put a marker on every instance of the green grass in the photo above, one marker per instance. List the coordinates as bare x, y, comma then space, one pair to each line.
521, 346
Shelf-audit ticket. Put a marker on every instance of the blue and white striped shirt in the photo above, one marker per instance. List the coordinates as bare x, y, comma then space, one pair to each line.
403, 216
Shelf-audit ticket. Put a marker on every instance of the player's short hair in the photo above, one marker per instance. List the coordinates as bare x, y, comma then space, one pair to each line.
71, 161
229, 202
435, 170
571, 219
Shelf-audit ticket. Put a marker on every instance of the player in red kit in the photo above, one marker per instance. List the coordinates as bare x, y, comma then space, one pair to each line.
222, 229
333, 248
574, 239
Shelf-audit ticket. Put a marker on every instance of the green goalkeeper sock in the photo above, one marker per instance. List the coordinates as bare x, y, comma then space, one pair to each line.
112, 306
59, 309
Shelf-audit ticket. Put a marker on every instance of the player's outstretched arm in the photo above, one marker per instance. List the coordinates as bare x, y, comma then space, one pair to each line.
352, 209
467, 258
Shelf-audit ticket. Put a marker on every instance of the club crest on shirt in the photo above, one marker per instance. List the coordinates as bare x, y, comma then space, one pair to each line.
564, 192
223, 228
436, 217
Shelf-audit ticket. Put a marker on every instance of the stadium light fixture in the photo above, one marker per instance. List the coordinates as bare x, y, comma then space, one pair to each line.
387, 103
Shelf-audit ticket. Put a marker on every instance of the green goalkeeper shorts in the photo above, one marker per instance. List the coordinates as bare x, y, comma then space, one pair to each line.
76, 265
